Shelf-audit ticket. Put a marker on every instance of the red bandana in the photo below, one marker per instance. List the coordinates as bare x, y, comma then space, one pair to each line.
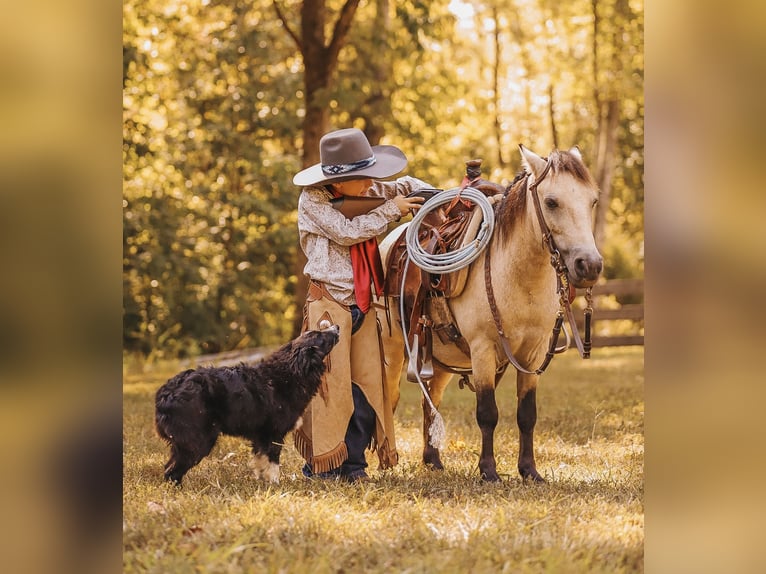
368, 270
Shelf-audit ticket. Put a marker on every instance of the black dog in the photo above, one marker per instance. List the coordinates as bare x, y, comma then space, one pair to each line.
261, 403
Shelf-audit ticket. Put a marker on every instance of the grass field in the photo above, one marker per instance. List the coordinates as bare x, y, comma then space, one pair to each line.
588, 517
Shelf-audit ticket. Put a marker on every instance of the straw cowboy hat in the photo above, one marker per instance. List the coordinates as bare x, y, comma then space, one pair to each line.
346, 154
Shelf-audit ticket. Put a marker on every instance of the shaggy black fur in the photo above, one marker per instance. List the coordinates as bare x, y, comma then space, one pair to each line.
260, 403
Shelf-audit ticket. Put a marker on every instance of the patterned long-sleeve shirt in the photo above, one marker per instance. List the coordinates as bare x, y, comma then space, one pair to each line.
326, 234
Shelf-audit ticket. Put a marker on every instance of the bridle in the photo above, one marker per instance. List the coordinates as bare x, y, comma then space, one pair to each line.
565, 292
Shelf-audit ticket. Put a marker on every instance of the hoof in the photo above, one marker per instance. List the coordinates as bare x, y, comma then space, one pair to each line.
532, 475
492, 477
434, 465
488, 470
432, 460
490, 474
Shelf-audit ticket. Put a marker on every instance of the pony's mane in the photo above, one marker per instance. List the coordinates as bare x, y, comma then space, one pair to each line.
515, 200
513, 204
563, 161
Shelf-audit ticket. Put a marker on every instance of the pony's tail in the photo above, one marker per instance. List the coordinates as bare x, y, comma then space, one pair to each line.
437, 431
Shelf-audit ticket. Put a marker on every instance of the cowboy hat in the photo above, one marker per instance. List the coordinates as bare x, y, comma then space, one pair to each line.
346, 154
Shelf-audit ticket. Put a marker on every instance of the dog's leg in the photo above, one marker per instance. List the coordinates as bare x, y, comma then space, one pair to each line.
272, 473
185, 455
266, 461
170, 466
273, 452
179, 464
264, 469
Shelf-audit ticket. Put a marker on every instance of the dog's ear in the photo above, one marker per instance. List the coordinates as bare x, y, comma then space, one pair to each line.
306, 357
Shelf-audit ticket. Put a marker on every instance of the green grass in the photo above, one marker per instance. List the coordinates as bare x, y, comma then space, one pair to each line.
588, 517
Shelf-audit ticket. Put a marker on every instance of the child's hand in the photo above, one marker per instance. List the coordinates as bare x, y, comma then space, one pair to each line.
407, 204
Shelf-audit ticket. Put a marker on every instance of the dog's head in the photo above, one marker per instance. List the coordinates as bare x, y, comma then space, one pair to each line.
312, 347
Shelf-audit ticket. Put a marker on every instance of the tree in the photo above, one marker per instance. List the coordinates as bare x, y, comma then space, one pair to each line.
374, 77
320, 61
209, 132
616, 32
219, 115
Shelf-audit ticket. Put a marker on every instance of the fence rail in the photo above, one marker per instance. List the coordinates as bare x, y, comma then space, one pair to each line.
633, 289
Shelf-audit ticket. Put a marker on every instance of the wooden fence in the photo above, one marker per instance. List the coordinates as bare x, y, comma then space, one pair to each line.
629, 290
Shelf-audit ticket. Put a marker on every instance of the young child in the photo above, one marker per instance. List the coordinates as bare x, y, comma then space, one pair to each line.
352, 411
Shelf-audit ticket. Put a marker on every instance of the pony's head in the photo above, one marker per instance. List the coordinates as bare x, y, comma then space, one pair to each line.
568, 195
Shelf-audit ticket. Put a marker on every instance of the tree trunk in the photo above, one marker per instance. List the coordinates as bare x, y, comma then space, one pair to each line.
316, 78
378, 105
607, 103
501, 163
552, 113
320, 60
607, 152
528, 65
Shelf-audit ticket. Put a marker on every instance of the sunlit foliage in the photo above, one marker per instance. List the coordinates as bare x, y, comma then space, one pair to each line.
212, 135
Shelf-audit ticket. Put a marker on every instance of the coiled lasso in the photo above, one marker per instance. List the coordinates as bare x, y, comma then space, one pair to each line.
452, 260
444, 263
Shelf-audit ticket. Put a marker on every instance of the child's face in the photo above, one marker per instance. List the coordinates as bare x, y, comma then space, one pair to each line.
353, 187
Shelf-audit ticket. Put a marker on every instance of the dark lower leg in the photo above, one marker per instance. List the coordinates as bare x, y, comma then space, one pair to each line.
179, 464
273, 452
526, 417
431, 455
186, 455
486, 417
358, 434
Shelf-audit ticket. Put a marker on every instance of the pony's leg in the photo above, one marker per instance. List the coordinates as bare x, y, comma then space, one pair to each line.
526, 418
393, 376
393, 351
486, 414
486, 417
439, 382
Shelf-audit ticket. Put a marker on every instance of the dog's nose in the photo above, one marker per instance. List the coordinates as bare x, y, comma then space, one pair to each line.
325, 325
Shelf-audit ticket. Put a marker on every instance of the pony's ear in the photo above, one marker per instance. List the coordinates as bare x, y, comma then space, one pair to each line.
533, 162
575, 151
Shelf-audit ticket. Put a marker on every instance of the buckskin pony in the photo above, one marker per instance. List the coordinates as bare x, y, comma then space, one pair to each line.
522, 286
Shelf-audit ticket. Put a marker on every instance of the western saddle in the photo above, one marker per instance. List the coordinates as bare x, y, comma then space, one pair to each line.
424, 295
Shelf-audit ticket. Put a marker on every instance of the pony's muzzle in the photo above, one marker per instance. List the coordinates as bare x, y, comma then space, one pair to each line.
586, 268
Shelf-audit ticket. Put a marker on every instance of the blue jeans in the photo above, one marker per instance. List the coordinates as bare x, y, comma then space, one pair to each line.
358, 438
357, 318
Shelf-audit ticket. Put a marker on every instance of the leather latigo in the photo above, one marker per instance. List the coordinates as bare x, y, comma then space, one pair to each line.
350, 207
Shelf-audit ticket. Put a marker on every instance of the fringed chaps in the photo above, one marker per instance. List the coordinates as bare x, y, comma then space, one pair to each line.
320, 440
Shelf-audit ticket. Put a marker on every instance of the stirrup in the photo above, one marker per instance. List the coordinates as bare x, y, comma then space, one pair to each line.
427, 366
427, 371
412, 365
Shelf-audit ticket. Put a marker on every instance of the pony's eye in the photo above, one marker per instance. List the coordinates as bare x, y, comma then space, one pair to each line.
595, 202
551, 203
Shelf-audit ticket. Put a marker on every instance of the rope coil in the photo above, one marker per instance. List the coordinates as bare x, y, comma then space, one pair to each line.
459, 258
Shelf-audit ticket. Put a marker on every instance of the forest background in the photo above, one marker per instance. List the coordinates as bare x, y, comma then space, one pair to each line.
225, 100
